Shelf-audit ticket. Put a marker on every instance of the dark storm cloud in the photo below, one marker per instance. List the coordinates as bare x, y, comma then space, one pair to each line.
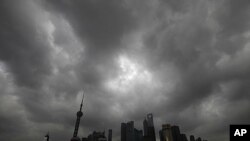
24, 53
100, 28
22, 48
190, 44
193, 56
10, 126
234, 17
99, 24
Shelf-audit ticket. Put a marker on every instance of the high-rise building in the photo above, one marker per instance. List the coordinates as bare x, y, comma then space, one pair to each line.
198, 139
138, 135
129, 133
160, 135
145, 127
150, 120
183, 137
79, 115
110, 135
148, 128
192, 138
176, 133
123, 131
166, 133
97, 136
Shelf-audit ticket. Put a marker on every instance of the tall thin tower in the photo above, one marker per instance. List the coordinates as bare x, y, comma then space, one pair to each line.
79, 115
148, 127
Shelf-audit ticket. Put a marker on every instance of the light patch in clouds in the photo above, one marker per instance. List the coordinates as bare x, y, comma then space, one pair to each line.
66, 49
3, 69
130, 74
212, 108
68, 52
235, 61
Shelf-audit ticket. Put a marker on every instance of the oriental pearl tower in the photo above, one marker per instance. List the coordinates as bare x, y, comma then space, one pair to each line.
79, 115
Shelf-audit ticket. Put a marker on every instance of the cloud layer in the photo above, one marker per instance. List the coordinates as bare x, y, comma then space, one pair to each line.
184, 61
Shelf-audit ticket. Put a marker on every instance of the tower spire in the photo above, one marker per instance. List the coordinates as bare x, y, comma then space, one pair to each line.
82, 101
79, 115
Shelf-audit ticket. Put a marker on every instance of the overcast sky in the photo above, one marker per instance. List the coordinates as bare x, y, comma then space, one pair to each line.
185, 61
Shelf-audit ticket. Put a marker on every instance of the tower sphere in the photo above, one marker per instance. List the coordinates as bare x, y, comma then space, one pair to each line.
79, 113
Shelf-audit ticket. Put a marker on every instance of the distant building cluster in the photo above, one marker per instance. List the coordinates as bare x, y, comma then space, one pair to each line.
172, 133
98, 136
167, 133
130, 133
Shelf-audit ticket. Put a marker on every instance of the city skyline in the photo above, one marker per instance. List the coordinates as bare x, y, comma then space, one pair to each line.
128, 131
184, 61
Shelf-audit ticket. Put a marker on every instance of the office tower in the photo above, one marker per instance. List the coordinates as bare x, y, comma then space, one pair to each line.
97, 136
148, 127
79, 115
198, 139
166, 133
150, 120
160, 135
138, 135
183, 137
123, 131
110, 135
145, 127
130, 135
192, 138
176, 133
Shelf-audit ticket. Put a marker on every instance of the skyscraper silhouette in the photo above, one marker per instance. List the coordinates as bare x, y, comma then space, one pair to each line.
183, 137
79, 115
192, 138
150, 120
123, 131
148, 128
110, 135
166, 133
97, 136
145, 127
138, 135
129, 133
198, 139
176, 133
